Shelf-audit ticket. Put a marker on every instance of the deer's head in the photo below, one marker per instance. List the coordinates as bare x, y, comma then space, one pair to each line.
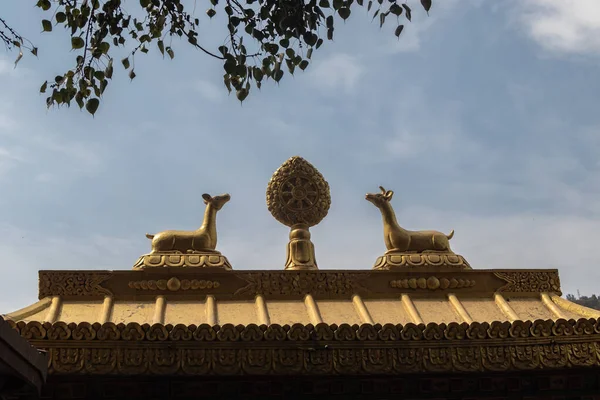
218, 201
381, 198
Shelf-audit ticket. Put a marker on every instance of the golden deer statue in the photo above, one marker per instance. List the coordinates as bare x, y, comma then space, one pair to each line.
398, 239
202, 240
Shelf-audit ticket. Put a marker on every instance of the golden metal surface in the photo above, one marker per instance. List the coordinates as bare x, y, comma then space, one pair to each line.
411, 248
201, 350
574, 307
298, 196
398, 239
174, 248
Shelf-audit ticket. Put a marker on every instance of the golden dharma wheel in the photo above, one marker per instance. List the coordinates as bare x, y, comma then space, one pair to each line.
298, 194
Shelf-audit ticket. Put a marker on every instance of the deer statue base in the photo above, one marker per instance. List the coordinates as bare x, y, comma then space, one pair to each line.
300, 250
204, 259
431, 259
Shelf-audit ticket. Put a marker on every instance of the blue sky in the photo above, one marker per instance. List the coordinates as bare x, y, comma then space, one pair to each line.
482, 118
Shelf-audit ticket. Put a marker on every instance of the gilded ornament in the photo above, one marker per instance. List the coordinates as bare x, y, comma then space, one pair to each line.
189, 248
331, 284
174, 284
411, 248
432, 283
298, 196
529, 281
364, 349
73, 284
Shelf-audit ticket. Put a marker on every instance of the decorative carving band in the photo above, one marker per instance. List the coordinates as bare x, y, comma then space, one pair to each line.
432, 283
395, 260
53, 283
389, 333
206, 260
174, 284
530, 281
335, 361
303, 282
322, 349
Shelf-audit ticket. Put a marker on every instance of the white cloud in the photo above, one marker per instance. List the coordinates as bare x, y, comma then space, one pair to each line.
338, 71
210, 91
563, 26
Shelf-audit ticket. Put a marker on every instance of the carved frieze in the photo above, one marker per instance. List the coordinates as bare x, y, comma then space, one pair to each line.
54, 283
529, 281
432, 283
174, 284
292, 284
399, 260
207, 260
330, 361
298, 283
322, 349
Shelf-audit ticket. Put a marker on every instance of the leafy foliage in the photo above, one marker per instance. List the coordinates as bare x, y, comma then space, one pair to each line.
12, 40
592, 302
265, 38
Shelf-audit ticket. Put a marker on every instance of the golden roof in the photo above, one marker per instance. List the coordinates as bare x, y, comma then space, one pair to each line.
419, 294
187, 296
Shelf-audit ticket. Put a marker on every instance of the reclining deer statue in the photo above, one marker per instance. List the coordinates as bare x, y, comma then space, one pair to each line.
398, 239
202, 240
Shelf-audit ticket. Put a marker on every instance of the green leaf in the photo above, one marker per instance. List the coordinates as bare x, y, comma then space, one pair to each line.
44, 87
344, 13
408, 11
144, 3
77, 42
61, 17
108, 72
303, 65
125, 62
170, 52
309, 53
79, 100
278, 75
241, 94
161, 47
399, 30
104, 47
426, 5
131, 74
396, 9
92, 105
258, 74
329, 21
381, 19
46, 25
34, 51
44, 4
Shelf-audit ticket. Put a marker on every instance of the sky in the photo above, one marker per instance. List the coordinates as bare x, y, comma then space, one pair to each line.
482, 118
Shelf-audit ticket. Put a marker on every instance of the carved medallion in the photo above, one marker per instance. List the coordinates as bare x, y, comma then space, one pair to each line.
298, 194
298, 197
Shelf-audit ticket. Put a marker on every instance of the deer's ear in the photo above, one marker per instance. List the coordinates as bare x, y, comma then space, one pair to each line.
389, 194
206, 198
382, 189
